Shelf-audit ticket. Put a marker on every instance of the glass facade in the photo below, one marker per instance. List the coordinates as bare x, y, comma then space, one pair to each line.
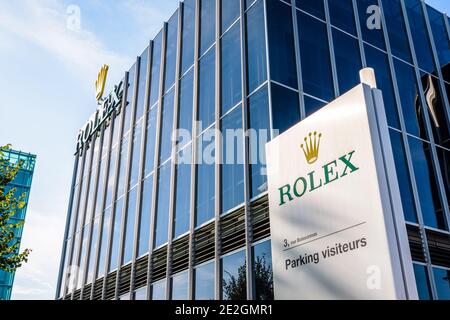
22, 185
234, 280
254, 69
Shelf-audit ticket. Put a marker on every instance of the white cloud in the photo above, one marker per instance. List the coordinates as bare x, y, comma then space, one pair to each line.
44, 23
149, 14
43, 233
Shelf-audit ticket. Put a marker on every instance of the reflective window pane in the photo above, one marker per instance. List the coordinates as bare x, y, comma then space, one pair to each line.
84, 193
316, 65
115, 124
150, 141
121, 183
259, 125
106, 140
85, 196
110, 178
79, 165
140, 102
231, 68
262, 271
447, 92
396, 29
92, 184
183, 192
93, 250
188, 35
314, 7
444, 161
129, 227
129, 102
74, 262
125, 297
426, 184
312, 105
180, 289
256, 47
232, 168
342, 15
64, 274
371, 23
156, 67
159, 290
285, 108
207, 89
283, 67
136, 155
422, 281
104, 243
442, 280
185, 110
141, 294
234, 278
436, 110
437, 23
171, 51
162, 210
208, 24
404, 181
204, 282
146, 216
167, 127
82, 258
377, 60
116, 231
248, 3
205, 179
230, 10
348, 60
419, 35
410, 99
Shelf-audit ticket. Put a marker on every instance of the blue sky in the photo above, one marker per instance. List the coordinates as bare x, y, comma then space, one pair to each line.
441, 5
48, 68
47, 88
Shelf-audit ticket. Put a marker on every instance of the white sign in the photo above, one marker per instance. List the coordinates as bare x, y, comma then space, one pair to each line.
332, 225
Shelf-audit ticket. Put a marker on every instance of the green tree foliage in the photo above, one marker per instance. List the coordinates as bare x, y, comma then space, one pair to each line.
263, 278
10, 257
235, 288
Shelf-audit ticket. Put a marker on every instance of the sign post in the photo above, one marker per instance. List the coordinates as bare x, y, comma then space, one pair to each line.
335, 209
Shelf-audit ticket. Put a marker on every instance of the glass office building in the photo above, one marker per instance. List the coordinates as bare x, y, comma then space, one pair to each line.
22, 185
144, 225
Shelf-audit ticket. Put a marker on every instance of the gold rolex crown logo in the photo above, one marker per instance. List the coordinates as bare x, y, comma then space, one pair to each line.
311, 147
101, 82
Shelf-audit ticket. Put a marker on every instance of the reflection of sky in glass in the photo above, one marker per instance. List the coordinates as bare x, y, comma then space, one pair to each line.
204, 282
230, 267
180, 286
159, 290
141, 294
442, 278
